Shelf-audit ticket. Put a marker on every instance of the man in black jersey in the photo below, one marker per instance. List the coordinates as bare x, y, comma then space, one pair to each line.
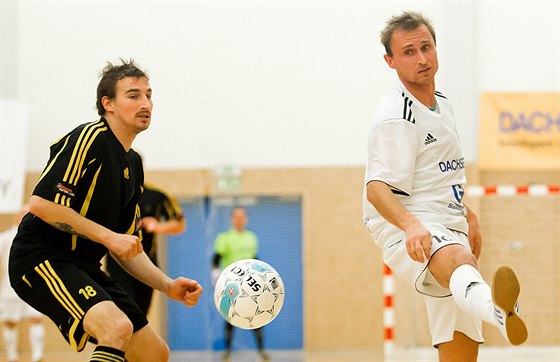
161, 214
84, 205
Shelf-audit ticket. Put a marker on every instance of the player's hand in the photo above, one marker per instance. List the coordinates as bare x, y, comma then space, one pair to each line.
125, 246
185, 290
475, 235
418, 242
216, 272
149, 224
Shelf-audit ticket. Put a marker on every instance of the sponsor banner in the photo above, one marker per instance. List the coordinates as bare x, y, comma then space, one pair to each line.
519, 131
13, 125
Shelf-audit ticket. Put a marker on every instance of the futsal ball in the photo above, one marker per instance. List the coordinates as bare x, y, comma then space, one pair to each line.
249, 293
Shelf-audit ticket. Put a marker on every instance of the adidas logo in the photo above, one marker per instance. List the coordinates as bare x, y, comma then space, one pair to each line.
472, 284
429, 139
499, 317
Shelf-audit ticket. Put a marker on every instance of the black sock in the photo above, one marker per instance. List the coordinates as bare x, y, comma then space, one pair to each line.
107, 354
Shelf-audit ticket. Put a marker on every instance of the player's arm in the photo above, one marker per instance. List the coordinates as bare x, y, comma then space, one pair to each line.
180, 289
172, 220
392, 153
170, 227
418, 238
66, 219
475, 235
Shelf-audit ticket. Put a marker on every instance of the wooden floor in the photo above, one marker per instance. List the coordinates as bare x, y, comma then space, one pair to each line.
487, 354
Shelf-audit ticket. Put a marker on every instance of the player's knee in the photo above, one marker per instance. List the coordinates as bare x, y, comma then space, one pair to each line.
164, 351
445, 261
121, 331
160, 351
462, 258
108, 324
452, 257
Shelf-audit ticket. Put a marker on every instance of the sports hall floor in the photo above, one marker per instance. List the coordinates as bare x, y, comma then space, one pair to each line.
487, 354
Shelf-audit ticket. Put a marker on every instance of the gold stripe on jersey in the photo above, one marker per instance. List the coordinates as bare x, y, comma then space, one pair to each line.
48, 168
58, 289
171, 207
80, 151
61, 200
24, 278
74, 242
87, 201
71, 163
137, 217
85, 169
168, 208
77, 173
58, 140
132, 227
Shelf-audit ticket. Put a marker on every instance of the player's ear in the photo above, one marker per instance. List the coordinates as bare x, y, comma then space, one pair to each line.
389, 60
107, 103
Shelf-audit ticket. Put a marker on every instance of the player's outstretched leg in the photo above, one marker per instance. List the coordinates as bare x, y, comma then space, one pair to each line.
505, 291
496, 305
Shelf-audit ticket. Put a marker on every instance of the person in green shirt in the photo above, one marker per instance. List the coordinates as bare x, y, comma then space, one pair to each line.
237, 243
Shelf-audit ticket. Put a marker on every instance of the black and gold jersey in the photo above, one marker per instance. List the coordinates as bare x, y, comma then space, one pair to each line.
89, 171
156, 203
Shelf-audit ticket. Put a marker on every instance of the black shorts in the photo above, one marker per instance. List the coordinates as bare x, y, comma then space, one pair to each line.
64, 292
138, 291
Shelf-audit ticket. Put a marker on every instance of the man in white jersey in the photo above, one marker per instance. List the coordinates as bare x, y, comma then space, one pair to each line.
413, 201
14, 310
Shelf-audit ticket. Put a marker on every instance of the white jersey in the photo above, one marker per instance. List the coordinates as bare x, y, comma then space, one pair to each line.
6, 238
417, 153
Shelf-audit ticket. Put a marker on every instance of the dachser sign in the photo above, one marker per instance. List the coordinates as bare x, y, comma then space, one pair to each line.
519, 131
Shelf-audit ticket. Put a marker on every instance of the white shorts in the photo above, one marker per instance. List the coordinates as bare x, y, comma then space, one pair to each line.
445, 317
444, 314
15, 310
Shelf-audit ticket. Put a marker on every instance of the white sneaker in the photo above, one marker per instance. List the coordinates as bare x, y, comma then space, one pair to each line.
505, 291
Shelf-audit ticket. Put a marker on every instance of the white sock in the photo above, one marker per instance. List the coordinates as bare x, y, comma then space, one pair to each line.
10, 340
37, 339
472, 293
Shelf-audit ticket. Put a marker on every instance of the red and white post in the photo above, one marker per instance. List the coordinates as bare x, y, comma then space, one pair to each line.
388, 311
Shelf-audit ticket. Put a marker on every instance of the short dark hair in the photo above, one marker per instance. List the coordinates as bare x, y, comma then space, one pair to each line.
408, 20
110, 75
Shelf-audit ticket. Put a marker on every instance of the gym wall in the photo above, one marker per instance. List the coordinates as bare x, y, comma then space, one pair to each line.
342, 268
